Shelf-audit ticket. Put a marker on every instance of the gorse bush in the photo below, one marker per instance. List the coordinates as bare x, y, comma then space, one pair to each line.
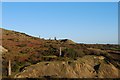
69, 52
22, 45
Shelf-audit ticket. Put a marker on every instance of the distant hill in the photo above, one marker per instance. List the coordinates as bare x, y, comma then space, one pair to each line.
67, 41
25, 50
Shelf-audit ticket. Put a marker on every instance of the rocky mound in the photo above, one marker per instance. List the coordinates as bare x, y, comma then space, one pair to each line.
2, 50
87, 67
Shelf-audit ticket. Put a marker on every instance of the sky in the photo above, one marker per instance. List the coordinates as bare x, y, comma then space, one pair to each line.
59, 0
82, 22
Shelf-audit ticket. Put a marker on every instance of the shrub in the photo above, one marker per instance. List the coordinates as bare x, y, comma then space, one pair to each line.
22, 45
11, 39
69, 52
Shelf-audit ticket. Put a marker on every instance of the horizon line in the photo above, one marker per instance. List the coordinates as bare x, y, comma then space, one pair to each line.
52, 38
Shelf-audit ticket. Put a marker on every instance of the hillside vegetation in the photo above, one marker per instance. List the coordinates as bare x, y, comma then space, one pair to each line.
26, 51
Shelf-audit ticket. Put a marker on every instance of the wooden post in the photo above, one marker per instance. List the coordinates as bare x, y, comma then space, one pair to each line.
9, 68
60, 51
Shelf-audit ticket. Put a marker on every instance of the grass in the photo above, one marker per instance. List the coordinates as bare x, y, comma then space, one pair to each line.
115, 49
50, 56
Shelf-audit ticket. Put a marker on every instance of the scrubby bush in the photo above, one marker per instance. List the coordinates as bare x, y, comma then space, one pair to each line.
22, 45
11, 39
69, 52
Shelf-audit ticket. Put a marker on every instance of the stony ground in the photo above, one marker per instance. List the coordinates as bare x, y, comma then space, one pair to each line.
86, 67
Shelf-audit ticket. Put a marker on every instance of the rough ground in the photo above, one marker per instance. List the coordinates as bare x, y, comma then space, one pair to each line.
37, 57
87, 67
